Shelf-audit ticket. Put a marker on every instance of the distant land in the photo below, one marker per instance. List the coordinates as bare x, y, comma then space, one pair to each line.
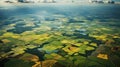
77, 2
60, 1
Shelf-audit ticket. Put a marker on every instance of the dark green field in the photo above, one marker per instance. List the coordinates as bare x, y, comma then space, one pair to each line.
55, 35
